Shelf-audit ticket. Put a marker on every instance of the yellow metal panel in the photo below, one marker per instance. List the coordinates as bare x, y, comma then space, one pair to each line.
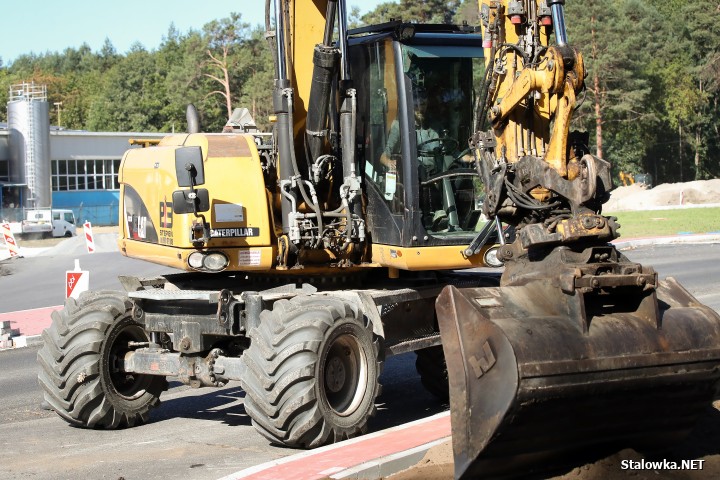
544, 104
307, 20
176, 140
241, 259
233, 176
307, 25
426, 258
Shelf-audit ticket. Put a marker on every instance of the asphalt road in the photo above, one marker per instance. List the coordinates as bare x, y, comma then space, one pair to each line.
194, 434
39, 281
694, 266
200, 434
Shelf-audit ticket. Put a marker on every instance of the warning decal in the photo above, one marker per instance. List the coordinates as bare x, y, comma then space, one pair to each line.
249, 258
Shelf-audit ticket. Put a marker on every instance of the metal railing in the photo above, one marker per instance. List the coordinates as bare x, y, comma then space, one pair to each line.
28, 91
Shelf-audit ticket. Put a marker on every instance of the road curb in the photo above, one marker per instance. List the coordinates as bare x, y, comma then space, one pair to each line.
388, 465
368, 457
669, 240
23, 341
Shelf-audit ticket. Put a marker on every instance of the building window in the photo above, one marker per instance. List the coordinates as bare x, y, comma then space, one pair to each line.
85, 175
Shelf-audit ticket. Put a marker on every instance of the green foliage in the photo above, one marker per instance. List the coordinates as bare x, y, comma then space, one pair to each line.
427, 11
653, 84
653, 76
149, 90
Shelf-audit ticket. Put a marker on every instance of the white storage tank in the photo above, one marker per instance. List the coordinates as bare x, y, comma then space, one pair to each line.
29, 142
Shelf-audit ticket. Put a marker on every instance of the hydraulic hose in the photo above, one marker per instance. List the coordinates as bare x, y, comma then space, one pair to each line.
287, 93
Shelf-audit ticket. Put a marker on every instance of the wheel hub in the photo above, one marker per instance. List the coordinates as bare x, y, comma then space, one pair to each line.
345, 373
335, 375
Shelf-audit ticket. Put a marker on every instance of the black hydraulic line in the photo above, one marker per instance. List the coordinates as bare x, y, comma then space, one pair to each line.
329, 22
348, 112
281, 107
280, 42
325, 64
342, 41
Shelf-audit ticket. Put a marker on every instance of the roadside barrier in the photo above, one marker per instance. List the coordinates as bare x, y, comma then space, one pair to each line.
10, 240
89, 241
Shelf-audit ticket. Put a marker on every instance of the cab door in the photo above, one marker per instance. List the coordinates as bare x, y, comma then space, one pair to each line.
381, 125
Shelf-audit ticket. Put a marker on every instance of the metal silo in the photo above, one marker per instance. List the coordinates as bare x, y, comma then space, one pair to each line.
29, 142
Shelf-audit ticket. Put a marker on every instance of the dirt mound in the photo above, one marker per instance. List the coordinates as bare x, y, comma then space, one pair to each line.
640, 197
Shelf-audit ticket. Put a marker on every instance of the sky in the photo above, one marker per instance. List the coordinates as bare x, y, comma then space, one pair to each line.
54, 25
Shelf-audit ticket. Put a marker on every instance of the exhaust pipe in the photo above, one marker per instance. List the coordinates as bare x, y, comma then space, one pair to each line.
193, 119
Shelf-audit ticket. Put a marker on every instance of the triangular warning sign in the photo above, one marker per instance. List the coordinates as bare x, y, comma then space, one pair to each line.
72, 279
76, 281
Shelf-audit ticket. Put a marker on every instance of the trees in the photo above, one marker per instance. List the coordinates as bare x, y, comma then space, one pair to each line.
653, 79
695, 82
131, 97
146, 90
619, 88
651, 100
224, 56
429, 11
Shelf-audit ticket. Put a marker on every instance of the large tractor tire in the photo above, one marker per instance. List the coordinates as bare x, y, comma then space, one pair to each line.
79, 358
312, 372
431, 366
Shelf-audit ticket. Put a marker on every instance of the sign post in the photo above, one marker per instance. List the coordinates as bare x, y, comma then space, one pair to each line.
76, 281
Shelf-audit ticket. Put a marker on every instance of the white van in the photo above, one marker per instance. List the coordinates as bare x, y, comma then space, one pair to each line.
45, 222
63, 222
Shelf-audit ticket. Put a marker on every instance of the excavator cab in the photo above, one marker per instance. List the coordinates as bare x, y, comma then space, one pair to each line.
415, 95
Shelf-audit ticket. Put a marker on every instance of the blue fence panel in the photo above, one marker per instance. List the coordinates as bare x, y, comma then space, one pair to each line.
98, 207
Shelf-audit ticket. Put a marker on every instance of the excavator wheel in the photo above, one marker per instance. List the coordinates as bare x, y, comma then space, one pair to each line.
431, 366
312, 372
77, 360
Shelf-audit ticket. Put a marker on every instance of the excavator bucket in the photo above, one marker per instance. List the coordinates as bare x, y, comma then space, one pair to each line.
538, 375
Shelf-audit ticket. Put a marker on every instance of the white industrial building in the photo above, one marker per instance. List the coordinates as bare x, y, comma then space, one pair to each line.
43, 166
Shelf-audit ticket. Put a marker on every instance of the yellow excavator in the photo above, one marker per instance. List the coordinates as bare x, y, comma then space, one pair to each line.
353, 230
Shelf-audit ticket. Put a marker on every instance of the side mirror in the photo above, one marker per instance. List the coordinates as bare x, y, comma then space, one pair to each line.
189, 167
187, 201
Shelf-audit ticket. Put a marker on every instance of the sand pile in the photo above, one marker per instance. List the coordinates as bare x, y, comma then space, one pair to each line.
640, 197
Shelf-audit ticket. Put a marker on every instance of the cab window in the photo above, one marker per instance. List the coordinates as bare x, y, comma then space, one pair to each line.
383, 166
443, 81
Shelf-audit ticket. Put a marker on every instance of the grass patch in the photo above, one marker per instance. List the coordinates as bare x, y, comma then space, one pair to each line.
651, 223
